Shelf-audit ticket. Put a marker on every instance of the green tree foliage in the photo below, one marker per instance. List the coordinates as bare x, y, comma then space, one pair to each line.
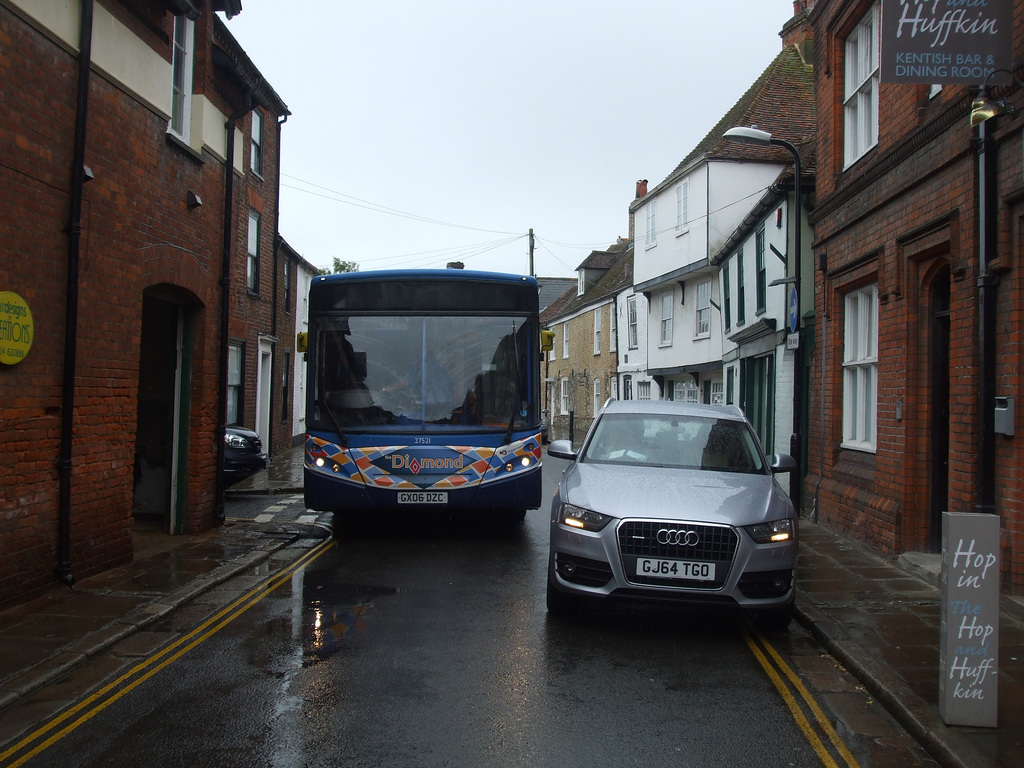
339, 267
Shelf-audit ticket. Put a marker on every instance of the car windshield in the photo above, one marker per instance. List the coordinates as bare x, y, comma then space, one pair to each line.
666, 440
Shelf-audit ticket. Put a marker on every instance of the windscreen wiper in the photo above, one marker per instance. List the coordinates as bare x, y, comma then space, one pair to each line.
342, 437
516, 404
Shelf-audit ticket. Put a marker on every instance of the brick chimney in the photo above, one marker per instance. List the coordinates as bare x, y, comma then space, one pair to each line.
798, 31
641, 191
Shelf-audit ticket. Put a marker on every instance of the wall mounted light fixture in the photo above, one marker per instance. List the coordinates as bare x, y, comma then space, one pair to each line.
985, 107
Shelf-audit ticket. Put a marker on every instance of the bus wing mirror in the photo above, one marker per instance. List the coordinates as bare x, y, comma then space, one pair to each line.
301, 342
547, 340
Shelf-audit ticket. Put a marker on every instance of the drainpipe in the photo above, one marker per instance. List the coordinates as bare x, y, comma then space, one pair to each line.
67, 418
277, 258
987, 282
225, 305
277, 221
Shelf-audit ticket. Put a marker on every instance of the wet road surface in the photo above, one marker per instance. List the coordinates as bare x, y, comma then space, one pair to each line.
404, 644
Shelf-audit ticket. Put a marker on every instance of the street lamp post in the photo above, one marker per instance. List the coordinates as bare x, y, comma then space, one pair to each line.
758, 137
985, 109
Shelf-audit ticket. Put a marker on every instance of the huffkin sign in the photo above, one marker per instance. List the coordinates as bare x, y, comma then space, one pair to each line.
942, 42
16, 328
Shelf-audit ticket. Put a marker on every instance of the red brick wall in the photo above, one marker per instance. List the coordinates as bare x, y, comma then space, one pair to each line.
899, 216
137, 233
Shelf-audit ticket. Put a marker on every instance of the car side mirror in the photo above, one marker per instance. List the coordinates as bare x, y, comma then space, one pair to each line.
782, 462
561, 449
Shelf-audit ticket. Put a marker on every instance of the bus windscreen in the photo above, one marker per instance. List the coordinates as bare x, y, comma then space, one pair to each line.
421, 372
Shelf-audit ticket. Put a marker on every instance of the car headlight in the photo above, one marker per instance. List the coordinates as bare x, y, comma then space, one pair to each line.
235, 441
773, 532
585, 519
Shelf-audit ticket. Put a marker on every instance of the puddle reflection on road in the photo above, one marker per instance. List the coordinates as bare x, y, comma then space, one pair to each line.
331, 611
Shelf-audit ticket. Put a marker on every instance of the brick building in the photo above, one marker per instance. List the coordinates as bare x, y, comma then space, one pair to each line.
582, 368
913, 362
138, 219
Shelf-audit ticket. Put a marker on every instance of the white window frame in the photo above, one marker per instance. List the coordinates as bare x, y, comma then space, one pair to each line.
726, 297
597, 330
643, 390
613, 388
632, 339
760, 272
613, 330
597, 394
236, 373
252, 261
683, 207
860, 99
256, 144
717, 393
580, 283
667, 300
183, 41
741, 290
860, 369
651, 239
702, 318
565, 340
565, 396
686, 391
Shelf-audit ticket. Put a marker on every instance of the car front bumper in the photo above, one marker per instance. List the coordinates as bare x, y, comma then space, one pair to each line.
604, 564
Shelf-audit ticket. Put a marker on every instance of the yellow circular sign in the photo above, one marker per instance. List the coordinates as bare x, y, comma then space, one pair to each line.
16, 328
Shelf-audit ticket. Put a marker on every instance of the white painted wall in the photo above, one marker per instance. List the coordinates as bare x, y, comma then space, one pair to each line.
304, 275
721, 195
633, 361
775, 296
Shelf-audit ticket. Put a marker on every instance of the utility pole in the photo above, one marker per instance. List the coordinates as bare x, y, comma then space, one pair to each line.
531, 252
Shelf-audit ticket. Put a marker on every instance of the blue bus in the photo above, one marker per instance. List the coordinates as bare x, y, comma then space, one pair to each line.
423, 393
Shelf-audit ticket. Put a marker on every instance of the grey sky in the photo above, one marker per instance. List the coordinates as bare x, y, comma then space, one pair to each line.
428, 132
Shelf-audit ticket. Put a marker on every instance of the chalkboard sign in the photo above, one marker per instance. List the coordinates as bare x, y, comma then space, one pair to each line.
969, 647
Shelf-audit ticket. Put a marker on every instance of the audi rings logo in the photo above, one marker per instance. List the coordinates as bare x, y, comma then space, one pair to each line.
678, 538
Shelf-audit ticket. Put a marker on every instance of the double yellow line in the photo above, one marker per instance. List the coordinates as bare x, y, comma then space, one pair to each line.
805, 710
103, 698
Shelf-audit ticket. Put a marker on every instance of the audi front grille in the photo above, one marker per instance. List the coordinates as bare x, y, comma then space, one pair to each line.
692, 542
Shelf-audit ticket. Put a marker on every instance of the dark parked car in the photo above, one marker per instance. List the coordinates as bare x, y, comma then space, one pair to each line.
673, 502
243, 454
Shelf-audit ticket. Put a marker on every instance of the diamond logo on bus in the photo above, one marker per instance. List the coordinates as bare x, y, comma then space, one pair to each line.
414, 466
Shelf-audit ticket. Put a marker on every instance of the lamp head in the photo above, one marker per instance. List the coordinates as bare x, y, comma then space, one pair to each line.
743, 135
984, 108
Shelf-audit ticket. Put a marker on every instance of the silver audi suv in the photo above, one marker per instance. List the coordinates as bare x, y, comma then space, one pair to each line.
673, 502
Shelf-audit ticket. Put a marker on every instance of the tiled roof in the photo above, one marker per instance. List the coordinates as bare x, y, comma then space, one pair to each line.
556, 307
618, 277
606, 258
552, 288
